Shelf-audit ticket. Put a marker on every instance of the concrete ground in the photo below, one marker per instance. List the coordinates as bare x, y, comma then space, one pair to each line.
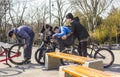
36, 70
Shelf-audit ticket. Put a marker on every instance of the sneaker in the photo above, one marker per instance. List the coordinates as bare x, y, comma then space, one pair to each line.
27, 61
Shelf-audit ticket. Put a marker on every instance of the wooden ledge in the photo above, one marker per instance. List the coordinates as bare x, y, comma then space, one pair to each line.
71, 57
80, 71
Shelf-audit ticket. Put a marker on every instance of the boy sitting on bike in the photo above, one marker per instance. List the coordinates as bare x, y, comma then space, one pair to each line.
60, 32
46, 33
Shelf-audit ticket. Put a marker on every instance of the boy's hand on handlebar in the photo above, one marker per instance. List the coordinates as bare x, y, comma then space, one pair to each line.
52, 40
64, 37
41, 34
53, 37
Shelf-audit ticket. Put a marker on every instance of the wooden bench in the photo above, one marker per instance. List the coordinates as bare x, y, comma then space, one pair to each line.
53, 60
81, 71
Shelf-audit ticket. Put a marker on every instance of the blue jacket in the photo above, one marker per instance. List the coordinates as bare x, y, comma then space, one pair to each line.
63, 30
24, 32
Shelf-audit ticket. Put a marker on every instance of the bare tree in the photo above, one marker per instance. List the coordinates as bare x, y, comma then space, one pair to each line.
38, 15
16, 15
91, 9
61, 8
42, 14
3, 22
3, 9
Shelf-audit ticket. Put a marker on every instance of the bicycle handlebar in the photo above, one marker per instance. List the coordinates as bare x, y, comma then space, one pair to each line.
3, 47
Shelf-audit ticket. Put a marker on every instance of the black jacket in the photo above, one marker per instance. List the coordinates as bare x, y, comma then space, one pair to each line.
79, 31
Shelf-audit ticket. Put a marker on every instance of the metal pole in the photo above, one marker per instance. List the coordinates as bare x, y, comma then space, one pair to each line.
50, 10
5, 6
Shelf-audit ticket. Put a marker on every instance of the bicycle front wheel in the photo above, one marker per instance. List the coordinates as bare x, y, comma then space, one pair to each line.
16, 54
39, 56
106, 56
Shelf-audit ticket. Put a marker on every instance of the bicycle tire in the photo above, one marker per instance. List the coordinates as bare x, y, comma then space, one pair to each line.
18, 60
47, 51
106, 55
68, 51
39, 56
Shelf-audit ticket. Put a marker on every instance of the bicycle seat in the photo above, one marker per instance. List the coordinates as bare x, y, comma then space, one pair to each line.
95, 43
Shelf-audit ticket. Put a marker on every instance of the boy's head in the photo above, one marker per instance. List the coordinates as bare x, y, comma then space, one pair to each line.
47, 26
69, 17
56, 29
12, 34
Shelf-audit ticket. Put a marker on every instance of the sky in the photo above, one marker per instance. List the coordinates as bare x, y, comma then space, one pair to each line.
38, 3
115, 3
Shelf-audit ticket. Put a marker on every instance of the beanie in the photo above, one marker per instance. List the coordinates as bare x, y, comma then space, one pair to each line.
10, 33
69, 16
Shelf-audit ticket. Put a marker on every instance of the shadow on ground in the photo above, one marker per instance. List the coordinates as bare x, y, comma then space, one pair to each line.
5, 72
114, 68
28, 66
16, 70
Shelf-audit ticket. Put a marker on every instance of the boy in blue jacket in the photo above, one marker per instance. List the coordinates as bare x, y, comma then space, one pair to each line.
26, 33
61, 32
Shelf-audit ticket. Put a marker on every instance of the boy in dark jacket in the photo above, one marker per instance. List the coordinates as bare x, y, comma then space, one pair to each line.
79, 32
26, 33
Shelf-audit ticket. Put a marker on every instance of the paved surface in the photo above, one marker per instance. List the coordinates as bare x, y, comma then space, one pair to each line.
36, 70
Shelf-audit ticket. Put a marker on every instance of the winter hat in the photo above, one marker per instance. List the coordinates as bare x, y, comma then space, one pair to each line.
69, 16
10, 33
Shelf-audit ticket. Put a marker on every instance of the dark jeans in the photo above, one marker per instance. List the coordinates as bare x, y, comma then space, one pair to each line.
82, 48
63, 43
28, 50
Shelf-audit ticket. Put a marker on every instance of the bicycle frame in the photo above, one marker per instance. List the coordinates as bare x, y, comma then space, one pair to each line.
1, 53
93, 48
5, 51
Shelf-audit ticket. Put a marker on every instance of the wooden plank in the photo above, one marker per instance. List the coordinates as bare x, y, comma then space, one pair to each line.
70, 57
80, 71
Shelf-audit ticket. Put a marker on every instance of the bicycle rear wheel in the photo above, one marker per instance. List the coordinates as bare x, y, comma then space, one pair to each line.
16, 54
39, 56
106, 56
68, 51
90, 52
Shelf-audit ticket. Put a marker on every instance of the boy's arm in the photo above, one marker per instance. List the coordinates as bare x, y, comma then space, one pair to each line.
72, 29
19, 40
62, 32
